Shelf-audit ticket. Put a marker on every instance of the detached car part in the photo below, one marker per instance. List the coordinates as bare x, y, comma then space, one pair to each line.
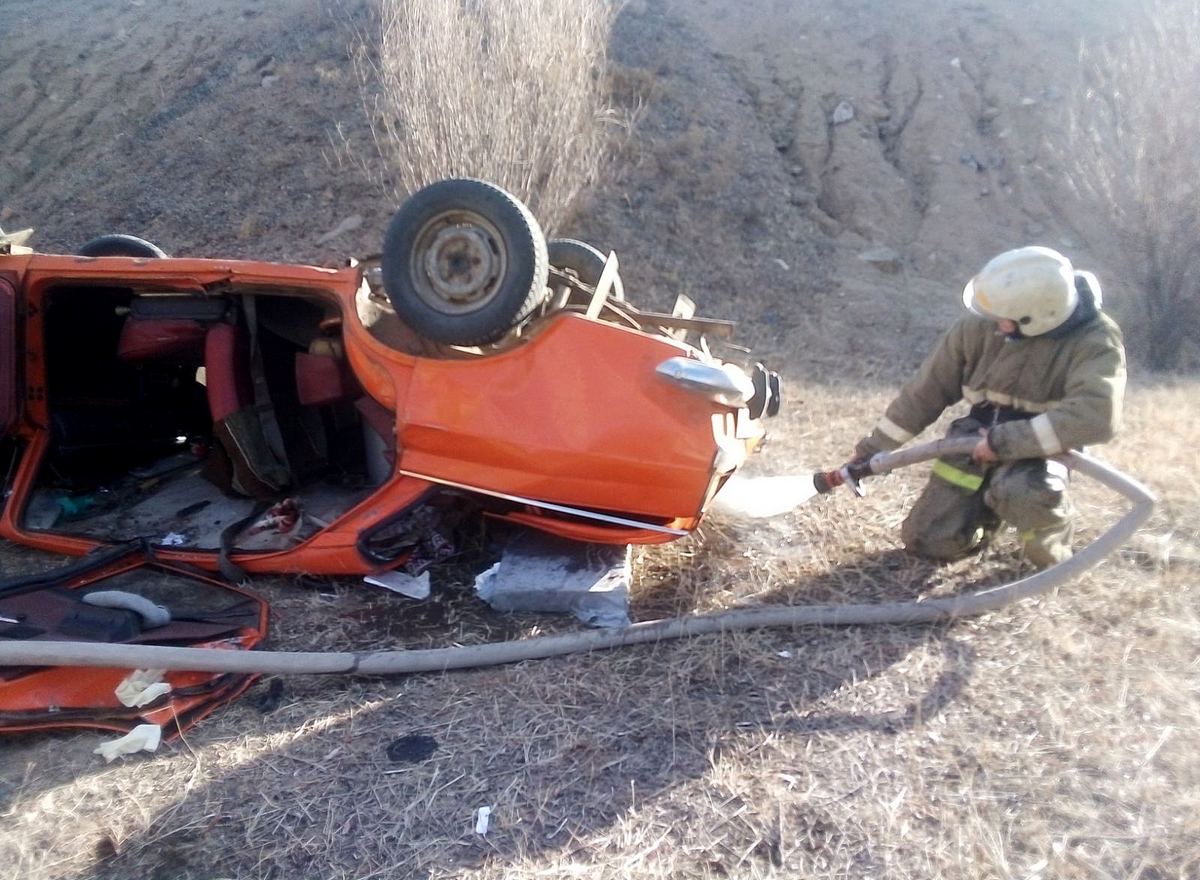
122, 596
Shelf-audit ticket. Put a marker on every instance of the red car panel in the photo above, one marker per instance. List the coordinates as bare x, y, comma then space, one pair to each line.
8, 355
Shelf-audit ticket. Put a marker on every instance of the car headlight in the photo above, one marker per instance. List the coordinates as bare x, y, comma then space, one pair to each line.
725, 384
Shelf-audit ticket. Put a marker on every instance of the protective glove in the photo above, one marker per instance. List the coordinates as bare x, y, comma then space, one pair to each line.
863, 450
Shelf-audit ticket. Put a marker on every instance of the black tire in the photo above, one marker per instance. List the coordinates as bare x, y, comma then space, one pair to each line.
584, 261
117, 245
576, 256
464, 262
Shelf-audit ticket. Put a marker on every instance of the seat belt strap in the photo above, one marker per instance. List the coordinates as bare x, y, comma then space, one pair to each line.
262, 395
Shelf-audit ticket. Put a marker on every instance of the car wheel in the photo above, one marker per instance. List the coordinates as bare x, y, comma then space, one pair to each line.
464, 262
576, 256
118, 245
581, 259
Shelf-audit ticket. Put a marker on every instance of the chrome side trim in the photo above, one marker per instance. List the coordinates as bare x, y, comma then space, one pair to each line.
547, 505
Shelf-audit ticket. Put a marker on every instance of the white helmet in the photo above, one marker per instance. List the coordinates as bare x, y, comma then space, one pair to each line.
1033, 286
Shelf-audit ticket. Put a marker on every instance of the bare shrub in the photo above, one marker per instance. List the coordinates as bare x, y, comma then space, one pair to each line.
511, 91
1133, 158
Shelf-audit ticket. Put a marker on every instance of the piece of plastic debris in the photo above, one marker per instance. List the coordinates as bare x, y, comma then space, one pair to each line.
143, 738
142, 687
786, 655
782, 265
547, 574
152, 615
483, 817
173, 539
402, 583
484, 582
843, 112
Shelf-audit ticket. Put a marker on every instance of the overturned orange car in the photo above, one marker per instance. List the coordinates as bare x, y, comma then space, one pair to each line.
289, 418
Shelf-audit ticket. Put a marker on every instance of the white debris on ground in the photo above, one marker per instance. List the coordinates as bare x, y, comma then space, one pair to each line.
483, 817
143, 738
412, 586
545, 574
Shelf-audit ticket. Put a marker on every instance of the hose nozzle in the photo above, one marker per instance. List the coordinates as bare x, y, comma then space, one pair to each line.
850, 474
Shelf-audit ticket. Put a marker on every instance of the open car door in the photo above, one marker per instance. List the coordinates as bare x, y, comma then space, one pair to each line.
122, 595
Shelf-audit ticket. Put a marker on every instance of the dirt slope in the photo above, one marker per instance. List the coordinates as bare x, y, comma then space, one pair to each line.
209, 129
950, 105
200, 126
918, 128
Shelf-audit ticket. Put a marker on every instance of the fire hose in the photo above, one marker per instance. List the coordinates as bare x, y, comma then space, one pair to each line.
397, 662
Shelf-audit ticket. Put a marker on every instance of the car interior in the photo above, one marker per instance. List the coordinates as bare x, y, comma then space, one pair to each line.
175, 416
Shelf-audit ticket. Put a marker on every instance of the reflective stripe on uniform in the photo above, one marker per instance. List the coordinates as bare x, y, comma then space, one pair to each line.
1047, 438
979, 395
954, 476
893, 431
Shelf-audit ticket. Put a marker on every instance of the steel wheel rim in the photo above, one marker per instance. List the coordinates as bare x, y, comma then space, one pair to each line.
458, 262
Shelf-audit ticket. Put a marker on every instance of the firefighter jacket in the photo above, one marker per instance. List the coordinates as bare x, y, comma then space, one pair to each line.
1045, 394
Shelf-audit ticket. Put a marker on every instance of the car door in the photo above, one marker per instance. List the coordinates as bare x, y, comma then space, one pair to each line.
121, 595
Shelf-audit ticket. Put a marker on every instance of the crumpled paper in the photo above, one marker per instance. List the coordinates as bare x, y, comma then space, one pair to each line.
143, 738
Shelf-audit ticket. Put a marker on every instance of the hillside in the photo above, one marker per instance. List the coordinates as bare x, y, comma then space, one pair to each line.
214, 131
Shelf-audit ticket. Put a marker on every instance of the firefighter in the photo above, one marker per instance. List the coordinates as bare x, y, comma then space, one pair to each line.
1043, 368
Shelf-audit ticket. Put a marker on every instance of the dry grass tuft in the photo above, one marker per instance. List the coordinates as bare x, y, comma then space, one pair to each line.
510, 91
1131, 158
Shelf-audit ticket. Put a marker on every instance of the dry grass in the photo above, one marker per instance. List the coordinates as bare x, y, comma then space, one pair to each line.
1132, 157
510, 91
1054, 739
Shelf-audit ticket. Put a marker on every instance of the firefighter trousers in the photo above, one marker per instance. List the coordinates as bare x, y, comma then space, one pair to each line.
964, 504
